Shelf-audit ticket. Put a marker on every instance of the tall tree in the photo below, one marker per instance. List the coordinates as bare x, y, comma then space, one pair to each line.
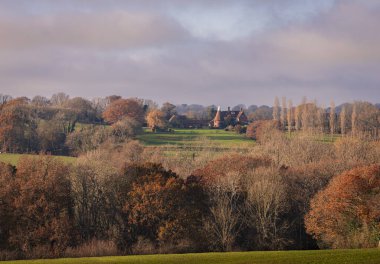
290, 115
297, 124
276, 109
332, 118
354, 120
321, 116
283, 113
342, 117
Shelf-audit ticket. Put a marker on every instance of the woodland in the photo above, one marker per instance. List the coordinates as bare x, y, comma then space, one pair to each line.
311, 180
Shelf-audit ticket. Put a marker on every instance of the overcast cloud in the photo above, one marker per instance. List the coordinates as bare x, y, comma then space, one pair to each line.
207, 52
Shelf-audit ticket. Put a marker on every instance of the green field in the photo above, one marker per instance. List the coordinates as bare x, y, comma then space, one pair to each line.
195, 137
14, 158
359, 256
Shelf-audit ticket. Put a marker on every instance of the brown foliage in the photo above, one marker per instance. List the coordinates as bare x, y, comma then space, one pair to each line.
17, 129
42, 206
347, 212
7, 174
220, 167
259, 130
161, 207
121, 108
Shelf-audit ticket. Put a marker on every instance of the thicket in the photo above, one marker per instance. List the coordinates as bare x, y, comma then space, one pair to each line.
119, 199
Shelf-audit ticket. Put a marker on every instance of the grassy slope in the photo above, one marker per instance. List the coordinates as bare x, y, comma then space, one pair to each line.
14, 158
367, 256
189, 137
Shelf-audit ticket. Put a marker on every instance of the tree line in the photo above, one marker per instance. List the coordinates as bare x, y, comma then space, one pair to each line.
286, 193
356, 119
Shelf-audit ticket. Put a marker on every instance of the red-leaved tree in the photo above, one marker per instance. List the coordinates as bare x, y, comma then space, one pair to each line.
347, 212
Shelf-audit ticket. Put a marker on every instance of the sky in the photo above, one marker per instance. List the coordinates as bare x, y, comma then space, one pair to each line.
222, 52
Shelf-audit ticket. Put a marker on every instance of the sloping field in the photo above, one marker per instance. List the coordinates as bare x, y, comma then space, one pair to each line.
195, 137
368, 256
14, 158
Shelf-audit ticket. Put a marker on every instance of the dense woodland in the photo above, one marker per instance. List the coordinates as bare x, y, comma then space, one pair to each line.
311, 181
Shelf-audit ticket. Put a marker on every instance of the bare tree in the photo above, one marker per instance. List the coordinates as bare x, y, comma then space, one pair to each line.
305, 114
266, 201
283, 113
225, 213
354, 118
4, 99
276, 107
290, 115
342, 117
297, 123
321, 118
59, 99
332, 118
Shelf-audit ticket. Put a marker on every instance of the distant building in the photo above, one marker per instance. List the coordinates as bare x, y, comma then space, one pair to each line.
225, 118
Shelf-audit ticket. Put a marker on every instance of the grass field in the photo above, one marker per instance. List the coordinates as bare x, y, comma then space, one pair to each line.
364, 256
14, 158
195, 137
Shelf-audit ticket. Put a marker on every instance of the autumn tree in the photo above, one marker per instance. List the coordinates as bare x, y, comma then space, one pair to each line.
42, 207
321, 118
354, 121
290, 116
156, 119
332, 118
342, 119
125, 128
297, 117
121, 108
283, 113
276, 110
161, 207
262, 130
346, 213
7, 194
18, 126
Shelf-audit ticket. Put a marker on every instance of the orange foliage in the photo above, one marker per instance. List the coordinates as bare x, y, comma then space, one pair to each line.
258, 130
42, 206
121, 108
347, 212
161, 206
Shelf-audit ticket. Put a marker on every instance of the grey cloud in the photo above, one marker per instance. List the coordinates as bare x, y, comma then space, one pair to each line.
116, 29
332, 55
